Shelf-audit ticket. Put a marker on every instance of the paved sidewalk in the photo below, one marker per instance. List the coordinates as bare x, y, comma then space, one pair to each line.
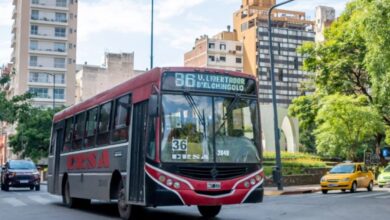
290, 190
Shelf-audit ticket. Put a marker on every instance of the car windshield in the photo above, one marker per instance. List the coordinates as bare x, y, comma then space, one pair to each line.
387, 169
343, 169
22, 165
208, 129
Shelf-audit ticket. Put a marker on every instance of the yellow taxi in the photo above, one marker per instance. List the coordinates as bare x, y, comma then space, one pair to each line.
347, 176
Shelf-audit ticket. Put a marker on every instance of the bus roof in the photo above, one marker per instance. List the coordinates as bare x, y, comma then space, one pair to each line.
141, 87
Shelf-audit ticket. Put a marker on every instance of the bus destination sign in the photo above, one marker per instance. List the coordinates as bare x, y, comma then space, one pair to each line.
208, 82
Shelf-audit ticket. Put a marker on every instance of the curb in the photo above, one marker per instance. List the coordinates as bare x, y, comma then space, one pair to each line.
292, 192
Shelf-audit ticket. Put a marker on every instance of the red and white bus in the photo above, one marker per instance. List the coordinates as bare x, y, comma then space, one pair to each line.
170, 136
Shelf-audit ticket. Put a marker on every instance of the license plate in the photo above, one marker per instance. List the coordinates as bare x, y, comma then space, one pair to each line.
23, 181
332, 185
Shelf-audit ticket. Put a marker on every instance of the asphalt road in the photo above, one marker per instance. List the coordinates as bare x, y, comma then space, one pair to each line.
24, 204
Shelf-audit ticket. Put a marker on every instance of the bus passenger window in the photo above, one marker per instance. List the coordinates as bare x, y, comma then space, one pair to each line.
68, 135
90, 128
104, 124
122, 119
79, 131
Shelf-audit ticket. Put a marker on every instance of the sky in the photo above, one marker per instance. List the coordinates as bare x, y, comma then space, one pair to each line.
121, 26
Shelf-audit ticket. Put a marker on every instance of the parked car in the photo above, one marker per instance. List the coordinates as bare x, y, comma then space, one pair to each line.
348, 176
384, 177
20, 173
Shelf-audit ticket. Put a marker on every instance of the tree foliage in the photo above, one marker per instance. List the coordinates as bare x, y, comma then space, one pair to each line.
353, 62
346, 124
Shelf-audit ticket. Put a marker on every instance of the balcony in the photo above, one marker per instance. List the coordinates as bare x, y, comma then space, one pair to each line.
44, 5
41, 67
14, 27
14, 13
49, 21
48, 51
48, 36
13, 41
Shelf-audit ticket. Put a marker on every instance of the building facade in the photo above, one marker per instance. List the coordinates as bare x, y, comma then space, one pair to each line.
44, 50
324, 18
290, 30
222, 51
93, 79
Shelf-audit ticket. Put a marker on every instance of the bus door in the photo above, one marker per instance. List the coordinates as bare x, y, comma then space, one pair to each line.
136, 160
54, 161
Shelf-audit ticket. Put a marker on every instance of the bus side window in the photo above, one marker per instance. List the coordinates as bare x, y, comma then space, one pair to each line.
151, 147
52, 141
121, 119
90, 128
68, 135
104, 124
79, 131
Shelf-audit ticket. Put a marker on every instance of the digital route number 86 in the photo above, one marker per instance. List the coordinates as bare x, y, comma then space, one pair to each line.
186, 80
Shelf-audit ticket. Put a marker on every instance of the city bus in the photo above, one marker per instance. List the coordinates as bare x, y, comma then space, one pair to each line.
167, 137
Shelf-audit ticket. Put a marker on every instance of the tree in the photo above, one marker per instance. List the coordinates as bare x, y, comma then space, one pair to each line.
32, 136
305, 109
346, 125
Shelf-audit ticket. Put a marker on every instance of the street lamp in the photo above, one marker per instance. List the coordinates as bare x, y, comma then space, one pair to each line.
278, 171
151, 36
54, 88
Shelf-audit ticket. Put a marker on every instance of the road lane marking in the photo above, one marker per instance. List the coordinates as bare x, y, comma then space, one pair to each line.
384, 197
39, 199
14, 202
370, 195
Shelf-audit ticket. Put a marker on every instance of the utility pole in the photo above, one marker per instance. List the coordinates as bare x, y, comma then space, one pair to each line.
278, 170
151, 37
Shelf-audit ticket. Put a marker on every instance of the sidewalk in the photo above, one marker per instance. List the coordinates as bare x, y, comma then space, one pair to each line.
290, 190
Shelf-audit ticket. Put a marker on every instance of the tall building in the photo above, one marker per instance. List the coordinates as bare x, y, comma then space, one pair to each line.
44, 50
324, 18
222, 51
290, 30
92, 79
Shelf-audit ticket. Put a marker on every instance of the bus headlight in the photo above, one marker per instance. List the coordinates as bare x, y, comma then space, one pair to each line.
162, 178
169, 182
253, 181
258, 178
176, 185
246, 184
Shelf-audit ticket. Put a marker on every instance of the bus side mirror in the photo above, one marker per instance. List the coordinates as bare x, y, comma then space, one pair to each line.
153, 105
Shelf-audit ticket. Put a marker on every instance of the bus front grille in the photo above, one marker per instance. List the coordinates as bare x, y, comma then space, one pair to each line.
213, 173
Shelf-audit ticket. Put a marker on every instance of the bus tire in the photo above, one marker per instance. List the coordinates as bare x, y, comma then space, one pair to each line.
71, 202
124, 209
209, 211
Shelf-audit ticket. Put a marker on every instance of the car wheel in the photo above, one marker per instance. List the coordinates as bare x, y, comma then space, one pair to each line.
343, 190
324, 191
380, 186
370, 186
209, 211
2, 187
31, 187
37, 188
5, 187
353, 187
124, 209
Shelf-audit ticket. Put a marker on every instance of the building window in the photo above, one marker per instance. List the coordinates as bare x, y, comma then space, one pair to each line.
61, 3
33, 61
60, 17
222, 46
60, 78
59, 94
211, 58
59, 47
60, 32
36, 2
59, 62
238, 60
211, 46
33, 45
39, 92
222, 59
238, 48
34, 29
34, 14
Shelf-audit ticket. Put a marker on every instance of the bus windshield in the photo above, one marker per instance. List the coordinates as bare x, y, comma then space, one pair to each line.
209, 129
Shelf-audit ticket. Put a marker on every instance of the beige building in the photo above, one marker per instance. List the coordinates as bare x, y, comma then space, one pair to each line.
44, 50
92, 79
324, 18
222, 51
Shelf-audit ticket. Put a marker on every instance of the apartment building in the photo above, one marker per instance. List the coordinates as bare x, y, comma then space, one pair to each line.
290, 30
221, 51
93, 79
44, 36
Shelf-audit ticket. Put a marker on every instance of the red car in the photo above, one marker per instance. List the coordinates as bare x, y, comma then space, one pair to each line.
20, 173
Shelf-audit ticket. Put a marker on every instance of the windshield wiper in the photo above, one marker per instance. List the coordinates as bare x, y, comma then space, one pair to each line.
229, 109
195, 108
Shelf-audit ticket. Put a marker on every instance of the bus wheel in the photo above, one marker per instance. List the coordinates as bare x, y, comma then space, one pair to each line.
209, 211
70, 201
124, 209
